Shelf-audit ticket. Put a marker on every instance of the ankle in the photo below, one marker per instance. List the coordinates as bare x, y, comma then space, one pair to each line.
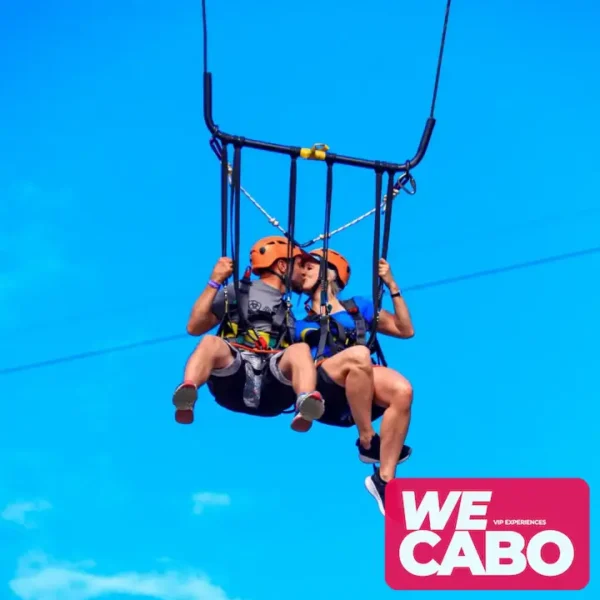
366, 439
386, 475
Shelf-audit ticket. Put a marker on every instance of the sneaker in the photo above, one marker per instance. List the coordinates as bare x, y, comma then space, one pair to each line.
308, 408
184, 399
371, 456
376, 487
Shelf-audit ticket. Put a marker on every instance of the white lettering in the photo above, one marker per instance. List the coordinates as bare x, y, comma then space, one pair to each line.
565, 549
468, 509
514, 552
462, 543
407, 553
430, 505
414, 515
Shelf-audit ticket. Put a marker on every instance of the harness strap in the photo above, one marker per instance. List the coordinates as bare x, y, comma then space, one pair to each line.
282, 325
239, 307
278, 321
343, 340
325, 337
243, 300
342, 337
360, 323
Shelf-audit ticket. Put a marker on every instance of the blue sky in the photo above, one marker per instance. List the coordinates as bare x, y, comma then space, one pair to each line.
109, 228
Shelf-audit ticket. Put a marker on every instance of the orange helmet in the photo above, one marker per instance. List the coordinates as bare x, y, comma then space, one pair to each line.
337, 262
270, 249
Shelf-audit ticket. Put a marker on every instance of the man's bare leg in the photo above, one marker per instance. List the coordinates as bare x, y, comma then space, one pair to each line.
297, 365
210, 354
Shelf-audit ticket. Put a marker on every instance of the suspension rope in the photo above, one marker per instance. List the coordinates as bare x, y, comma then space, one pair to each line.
438, 70
224, 206
233, 212
325, 308
318, 151
326, 236
231, 216
405, 183
291, 226
231, 187
376, 253
235, 205
380, 251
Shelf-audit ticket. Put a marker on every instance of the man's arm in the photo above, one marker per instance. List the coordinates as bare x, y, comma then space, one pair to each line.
202, 318
398, 324
209, 308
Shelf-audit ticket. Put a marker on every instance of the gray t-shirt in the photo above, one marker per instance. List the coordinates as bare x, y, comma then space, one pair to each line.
263, 303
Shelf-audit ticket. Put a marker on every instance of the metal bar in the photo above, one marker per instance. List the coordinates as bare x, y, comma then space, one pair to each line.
227, 138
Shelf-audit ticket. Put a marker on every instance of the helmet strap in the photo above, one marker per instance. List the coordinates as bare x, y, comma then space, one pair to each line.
278, 275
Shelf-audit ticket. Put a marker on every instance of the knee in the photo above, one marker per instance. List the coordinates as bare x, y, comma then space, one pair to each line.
358, 357
296, 356
210, 343
402, 394
300, 349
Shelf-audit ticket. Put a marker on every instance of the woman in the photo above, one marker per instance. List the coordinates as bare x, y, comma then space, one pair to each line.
385, 393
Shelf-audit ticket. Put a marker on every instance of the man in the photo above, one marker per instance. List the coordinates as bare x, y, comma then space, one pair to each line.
385, 392
252, 367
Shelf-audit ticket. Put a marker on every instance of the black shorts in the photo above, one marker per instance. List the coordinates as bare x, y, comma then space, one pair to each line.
337, 409
227, 387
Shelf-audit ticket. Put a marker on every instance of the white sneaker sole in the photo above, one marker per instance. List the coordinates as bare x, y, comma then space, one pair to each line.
184, 401
373, 491
185, 398
310, 408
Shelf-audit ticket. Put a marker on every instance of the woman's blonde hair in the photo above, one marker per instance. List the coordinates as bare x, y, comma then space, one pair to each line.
334, 286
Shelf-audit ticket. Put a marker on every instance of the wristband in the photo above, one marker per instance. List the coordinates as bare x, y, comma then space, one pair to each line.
213, 284
396, 294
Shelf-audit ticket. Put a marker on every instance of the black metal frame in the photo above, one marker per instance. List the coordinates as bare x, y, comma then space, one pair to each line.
295, 151
221, 140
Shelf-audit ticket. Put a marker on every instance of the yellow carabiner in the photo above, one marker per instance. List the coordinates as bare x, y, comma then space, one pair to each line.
317, 152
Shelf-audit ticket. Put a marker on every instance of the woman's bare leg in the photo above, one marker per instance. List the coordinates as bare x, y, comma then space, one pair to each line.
395, 393
353, 369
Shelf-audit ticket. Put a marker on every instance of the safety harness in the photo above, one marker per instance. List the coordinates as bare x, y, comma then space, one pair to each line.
236, 325
337, 338
237, 329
